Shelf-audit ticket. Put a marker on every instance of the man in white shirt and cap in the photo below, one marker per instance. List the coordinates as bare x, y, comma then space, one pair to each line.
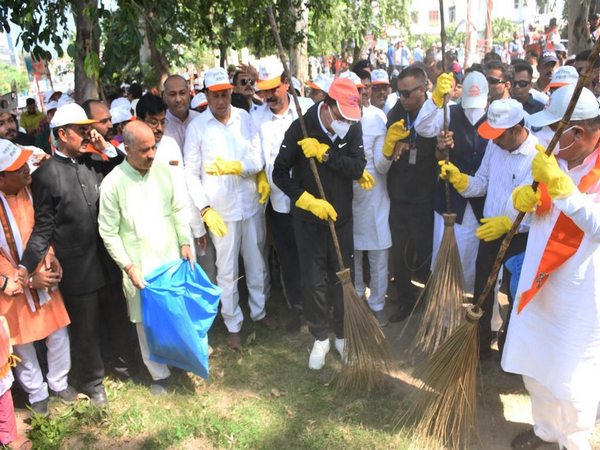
221, 167
554, 334
177, 95
319, 87
380, 88
199, 102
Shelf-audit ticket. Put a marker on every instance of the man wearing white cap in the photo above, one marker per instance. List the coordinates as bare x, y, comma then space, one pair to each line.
466, 149
319, 87
221, 167
554, 334
505, 164
199, 102
270, 122
335, 140
563, 76
66, 192
177, 95
305, 102
42, 140
380, 88
120, 116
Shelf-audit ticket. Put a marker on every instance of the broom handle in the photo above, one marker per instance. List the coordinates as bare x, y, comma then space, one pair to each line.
313, 165
443, 39
563, 124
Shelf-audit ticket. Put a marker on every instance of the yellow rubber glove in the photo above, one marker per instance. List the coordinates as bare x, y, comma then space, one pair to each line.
395, 133
263, 187
320, 208
545, 170
525, 199
222, 166
213, 221
313, 148
493, 228
460, 181
367, 181
442, 87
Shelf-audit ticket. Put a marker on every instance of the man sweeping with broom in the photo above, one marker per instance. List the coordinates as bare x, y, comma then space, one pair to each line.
554, 333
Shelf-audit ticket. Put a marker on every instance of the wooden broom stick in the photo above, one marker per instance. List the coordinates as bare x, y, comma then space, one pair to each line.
443, 40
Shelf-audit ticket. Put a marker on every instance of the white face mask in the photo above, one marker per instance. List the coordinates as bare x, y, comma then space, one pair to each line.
340, 128
474, 114
558, 148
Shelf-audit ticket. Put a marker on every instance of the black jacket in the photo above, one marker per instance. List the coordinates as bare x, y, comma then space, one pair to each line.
346, 163
65, 200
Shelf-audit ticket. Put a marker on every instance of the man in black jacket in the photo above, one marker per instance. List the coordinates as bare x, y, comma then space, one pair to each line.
335, 140
66, 193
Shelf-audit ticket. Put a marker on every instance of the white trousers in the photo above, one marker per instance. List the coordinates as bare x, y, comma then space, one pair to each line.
245, 238
467, 242
378, 263
571, 424
157, 371
29, 373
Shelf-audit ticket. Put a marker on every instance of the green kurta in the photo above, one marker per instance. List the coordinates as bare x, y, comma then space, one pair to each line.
144, 221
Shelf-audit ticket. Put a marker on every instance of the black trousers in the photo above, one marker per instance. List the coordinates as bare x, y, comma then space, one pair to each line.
319, 264
486, 256
282, 228
86, 360
412, 246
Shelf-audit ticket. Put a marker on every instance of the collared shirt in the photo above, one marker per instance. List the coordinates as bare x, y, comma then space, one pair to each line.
31, 121
333, 137
532, 106
499, 174
233, 197
175, 128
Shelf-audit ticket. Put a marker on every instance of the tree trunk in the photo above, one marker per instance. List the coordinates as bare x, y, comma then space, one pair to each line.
145, 53
223, 54
300, 51
85, 87
161, 65
578, 30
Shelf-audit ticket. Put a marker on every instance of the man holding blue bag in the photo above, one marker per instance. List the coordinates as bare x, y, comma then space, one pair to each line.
144, 222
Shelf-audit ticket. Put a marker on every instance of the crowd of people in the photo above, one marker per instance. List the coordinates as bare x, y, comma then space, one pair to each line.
97, 195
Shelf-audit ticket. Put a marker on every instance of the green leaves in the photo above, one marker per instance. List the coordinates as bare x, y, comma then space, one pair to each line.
91, 65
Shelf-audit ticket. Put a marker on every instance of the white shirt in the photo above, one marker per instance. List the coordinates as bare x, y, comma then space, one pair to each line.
233, 197
268, 130
175, 128
430, 121
499, 174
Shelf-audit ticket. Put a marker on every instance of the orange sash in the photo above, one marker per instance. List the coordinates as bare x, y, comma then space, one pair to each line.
564, 240
91, 149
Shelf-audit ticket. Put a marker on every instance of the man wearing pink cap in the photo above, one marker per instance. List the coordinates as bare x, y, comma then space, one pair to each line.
335, 140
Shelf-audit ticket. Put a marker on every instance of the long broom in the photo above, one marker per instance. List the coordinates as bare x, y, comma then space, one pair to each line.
367, 353
446, 403
444, 293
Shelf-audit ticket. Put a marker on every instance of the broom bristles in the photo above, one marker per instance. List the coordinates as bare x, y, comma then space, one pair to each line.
367, 352
443, 407
442, 298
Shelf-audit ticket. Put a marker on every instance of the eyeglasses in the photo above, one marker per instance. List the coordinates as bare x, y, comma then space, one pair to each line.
153, 123
406, 93
380, 87
522, 83
245, 81
494, 81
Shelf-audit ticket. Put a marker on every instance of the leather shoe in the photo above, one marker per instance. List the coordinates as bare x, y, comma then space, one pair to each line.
527, 440
235, 341
269, 323
99, 398
401, 313
68, 395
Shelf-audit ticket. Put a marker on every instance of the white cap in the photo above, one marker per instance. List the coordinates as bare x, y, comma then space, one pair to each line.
51, 105
586, 108
297, 85
120, 114
120, 102
564, 76
197, 83
216, 79
12, 157
185, 76
70, 114
380, 76
269, 74
198, 100
321, 83
64, 99
353, 77
475, 91
501, 115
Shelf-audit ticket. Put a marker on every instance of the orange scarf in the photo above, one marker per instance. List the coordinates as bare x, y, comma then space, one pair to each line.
564, 240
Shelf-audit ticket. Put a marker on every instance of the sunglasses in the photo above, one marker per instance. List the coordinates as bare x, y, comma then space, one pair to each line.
245, 81
522, 83
494, 81
407, 92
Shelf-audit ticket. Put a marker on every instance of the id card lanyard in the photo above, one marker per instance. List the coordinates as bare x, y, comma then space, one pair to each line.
412, 155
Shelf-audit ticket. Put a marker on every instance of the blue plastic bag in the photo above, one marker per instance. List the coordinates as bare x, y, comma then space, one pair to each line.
514, 266
178, 308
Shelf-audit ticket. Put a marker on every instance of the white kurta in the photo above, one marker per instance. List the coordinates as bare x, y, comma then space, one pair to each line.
556, 338
372, 208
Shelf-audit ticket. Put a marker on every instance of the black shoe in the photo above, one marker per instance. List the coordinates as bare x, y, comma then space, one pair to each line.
98, 397
68, 395
295, 324
41, 407
527, 440
401, 313
159, 387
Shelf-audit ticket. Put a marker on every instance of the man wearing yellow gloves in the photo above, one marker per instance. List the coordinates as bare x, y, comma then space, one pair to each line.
270, 122
411, 166
335, 141
554, 334
506, 163
221, 168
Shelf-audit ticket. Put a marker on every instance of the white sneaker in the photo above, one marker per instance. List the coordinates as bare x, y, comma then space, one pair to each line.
317, 355
340, 346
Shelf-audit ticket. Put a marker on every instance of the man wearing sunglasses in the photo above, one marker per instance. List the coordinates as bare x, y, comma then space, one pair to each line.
521, 88
176, 94
499, 77
243, 83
